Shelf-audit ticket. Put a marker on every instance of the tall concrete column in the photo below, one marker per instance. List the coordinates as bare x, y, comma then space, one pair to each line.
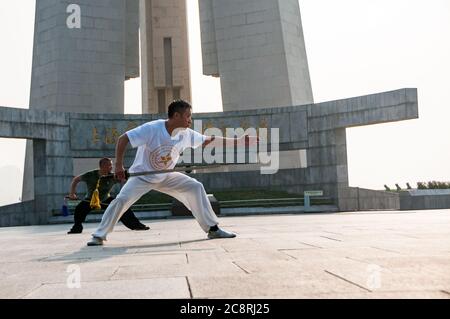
165, 54
82, 68
257, 49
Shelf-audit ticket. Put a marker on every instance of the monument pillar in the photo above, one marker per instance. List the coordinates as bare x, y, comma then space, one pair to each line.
165, 55
257, 49
82, 55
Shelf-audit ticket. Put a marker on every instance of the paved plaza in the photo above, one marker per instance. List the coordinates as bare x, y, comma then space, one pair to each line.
341, 255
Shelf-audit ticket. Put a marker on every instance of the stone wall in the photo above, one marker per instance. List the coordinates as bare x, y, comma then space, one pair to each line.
52, 162
360, 199
319, 130
21, 214
427, 199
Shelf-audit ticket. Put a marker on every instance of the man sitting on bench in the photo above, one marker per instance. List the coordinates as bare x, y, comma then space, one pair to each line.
101, 180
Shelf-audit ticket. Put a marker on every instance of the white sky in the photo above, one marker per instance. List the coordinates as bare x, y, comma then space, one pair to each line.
355, 47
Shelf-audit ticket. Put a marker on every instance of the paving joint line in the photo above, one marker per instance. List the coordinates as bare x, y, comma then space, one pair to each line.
32, 290
348, 281
301, 242
284, 252
242, 268
331, 238
189, 287
115, 271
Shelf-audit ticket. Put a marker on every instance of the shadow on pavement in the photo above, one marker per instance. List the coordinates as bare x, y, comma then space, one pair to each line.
86, 254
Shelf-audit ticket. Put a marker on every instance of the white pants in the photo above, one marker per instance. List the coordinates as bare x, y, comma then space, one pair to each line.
187, 190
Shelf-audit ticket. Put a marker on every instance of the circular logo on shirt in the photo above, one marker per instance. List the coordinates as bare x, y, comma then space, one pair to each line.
162, 157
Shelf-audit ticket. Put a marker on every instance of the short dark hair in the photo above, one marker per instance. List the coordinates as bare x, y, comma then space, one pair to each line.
103, 161
178, 106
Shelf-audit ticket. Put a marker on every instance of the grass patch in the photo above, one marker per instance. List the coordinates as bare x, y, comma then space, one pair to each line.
243, 195
154, 197
252, 194
243, 198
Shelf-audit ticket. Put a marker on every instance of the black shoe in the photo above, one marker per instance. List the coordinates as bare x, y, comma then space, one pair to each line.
75, 230
141, 227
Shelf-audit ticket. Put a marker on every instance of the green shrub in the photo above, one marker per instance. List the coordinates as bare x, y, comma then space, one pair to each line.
421, 185
433, 185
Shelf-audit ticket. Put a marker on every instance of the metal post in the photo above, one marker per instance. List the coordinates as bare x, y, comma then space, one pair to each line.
307, 203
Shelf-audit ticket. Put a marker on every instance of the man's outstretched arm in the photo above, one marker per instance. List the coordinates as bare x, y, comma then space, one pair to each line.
227, 142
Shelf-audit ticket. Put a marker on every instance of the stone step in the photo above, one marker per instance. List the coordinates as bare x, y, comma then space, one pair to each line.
234, 211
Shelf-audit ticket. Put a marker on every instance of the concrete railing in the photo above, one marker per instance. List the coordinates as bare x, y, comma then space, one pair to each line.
360, 199
19, 214
425, 199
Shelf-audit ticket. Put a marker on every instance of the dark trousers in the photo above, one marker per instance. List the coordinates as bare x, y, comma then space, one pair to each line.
84, 208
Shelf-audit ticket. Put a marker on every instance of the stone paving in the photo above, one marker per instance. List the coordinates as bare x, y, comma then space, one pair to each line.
340, 255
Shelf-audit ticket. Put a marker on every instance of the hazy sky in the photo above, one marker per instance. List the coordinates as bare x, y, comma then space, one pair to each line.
354, 47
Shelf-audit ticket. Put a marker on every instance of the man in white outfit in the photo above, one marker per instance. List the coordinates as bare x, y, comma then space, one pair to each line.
159, 146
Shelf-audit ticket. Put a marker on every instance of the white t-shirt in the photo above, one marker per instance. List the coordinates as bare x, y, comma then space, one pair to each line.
157, 150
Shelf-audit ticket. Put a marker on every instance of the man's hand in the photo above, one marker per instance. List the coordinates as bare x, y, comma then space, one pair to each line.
120, 173
73, 196
120, 151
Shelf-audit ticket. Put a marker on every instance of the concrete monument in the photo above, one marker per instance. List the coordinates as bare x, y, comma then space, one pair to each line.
317, 129
84, 52
257, 49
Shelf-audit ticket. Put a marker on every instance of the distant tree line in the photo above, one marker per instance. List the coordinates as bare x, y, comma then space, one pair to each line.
421, 185
433, 185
